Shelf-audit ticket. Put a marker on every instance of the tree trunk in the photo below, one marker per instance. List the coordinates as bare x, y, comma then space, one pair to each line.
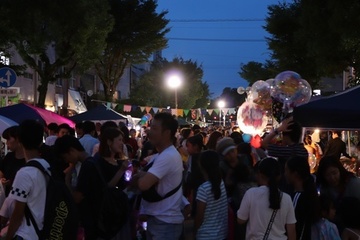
42, 89
108, 93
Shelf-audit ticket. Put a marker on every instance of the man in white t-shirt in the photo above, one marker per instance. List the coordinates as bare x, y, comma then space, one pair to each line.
29, 187
164, 217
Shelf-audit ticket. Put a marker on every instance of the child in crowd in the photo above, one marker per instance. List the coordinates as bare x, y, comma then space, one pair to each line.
323, 229
211, 219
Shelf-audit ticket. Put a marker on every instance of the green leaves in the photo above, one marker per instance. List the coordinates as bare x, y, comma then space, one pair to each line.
137, 33
55, 35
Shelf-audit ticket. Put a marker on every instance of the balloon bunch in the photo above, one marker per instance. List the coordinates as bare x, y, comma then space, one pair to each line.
276, 97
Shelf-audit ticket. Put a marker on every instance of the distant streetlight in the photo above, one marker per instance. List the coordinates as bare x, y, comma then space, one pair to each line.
221, 105
174, 81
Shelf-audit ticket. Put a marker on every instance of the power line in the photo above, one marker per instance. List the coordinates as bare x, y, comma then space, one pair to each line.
217, 40
220, 20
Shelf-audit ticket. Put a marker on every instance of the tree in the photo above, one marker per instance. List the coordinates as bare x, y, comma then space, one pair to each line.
254, 71
137, 33
53, 37
314, 38
230, 96
152, 90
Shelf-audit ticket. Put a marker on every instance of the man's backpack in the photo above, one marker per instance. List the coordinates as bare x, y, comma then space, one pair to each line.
60, 217
114, 208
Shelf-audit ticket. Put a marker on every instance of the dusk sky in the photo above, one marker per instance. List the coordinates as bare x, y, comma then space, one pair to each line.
221, 46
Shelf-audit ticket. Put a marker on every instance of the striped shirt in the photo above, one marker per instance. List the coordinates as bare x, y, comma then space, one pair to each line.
215, 223
286, 152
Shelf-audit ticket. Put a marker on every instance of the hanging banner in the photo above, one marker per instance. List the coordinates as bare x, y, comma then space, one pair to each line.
173, 112
148, 109
142, 108
155, 109
180, 112
127, 108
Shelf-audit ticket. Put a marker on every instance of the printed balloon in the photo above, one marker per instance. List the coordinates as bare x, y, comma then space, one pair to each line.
286, 86
260, 94
251, 118
303, 95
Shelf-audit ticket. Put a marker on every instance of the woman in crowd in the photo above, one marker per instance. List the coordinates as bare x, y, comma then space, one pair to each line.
305, 197
185, 133
211, 220
268, 212
90, 183
213, 139
130, 143
194, 178
337, 183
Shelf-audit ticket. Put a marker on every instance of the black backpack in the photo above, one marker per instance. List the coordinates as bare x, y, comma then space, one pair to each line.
61, 216
114, 208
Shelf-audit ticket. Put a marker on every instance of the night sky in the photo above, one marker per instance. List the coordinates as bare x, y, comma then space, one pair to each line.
229, 34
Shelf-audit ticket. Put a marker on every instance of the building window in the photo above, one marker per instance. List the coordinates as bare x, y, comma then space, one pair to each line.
28, 75
4, 59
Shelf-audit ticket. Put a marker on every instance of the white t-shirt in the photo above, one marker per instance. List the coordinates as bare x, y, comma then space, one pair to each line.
168, 169
30, 187
50, 140
255, 208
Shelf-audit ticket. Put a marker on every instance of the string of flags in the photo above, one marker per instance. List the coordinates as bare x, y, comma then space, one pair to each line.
178, 112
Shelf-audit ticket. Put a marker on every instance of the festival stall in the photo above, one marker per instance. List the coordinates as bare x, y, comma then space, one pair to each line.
20, 112
101, 114
339, 111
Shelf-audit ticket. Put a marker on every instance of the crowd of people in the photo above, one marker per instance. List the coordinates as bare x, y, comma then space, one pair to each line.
292, 188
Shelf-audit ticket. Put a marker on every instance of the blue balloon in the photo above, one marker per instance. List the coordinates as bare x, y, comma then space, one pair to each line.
246, 137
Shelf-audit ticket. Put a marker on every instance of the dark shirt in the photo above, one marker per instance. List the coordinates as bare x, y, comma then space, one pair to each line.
9, 167
304, 211
283, 153
90, 184
335, 148
196, 177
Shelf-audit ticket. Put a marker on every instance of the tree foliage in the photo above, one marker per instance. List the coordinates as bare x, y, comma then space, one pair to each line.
53, 37
231, 98
315, 38
137, 33
152, 90
254, 71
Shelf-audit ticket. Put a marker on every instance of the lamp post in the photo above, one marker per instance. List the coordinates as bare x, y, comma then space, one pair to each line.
221, 105
174, 81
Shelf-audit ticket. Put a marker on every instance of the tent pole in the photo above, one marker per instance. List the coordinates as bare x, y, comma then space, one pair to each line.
349, 142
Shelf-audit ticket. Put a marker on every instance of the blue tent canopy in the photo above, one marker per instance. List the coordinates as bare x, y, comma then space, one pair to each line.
100, 113
339, 111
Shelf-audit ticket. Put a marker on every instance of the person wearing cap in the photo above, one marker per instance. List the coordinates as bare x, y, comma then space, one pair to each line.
236, 175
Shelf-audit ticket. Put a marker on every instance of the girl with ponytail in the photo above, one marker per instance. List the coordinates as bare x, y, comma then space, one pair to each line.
305, 197
269, 212
211, 219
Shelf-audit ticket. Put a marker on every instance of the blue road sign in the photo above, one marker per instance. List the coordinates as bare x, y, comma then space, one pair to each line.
7, 77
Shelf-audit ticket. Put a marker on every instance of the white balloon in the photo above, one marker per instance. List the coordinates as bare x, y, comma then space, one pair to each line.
241, 90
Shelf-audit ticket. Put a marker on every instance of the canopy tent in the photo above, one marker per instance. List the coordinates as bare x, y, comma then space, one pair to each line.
6, 123
339, 111
20, 112
99, 114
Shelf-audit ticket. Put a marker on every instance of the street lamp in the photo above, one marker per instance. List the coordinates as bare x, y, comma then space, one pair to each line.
174, 82
221, 104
